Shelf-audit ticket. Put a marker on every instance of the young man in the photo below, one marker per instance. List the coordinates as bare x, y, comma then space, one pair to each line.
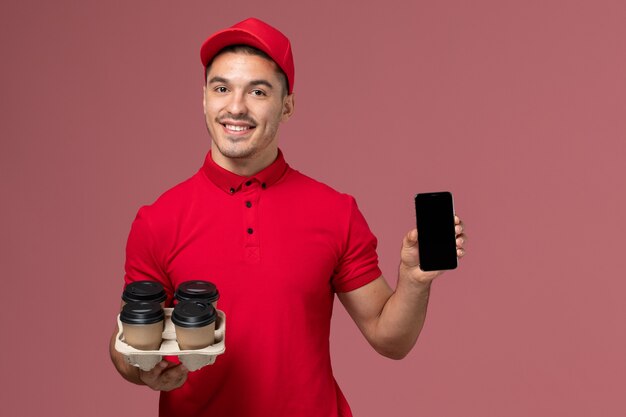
277, 244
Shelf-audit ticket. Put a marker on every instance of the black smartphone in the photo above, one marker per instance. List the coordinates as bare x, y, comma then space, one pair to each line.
436, 237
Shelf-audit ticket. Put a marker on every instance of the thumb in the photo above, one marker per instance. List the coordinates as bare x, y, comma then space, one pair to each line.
410, 240
158, 369
409, 255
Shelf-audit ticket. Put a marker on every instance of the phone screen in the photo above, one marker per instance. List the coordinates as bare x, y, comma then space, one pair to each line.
436, 237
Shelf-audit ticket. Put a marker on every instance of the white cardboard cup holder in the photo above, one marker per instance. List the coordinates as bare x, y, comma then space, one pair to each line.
192, 359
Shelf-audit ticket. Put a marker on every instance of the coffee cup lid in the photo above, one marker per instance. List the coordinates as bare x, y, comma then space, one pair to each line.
142, 312
193, 313
197, 290
144, 291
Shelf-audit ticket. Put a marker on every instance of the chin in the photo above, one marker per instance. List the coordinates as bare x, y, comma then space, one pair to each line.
235, 152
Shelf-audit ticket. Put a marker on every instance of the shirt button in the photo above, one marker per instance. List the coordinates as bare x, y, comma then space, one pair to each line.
232, 190
248, 204
248, 183
250, 231
263, 186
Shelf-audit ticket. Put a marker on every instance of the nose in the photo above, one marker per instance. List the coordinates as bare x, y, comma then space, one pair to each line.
236, 104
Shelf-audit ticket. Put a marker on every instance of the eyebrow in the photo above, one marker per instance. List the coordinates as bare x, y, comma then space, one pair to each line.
218, 79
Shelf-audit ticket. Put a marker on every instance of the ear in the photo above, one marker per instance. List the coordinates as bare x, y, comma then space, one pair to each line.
288, 107
204, 98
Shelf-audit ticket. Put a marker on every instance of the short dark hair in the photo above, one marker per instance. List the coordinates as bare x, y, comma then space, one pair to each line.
250, 50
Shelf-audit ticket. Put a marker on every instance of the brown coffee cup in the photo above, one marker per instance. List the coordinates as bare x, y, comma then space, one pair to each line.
142, 323
194, 322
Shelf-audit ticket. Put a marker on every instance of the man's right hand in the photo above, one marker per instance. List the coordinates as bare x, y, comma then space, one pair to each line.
165, 376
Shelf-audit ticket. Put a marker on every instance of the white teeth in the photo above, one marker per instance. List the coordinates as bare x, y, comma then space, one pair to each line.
237, 128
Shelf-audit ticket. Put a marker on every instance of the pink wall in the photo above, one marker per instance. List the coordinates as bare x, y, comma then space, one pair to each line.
518, 108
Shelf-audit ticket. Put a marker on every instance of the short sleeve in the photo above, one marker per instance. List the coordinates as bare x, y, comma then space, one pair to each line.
358, 264
143, 261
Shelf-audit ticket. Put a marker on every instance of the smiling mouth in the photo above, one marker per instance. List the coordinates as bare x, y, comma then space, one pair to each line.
237, 128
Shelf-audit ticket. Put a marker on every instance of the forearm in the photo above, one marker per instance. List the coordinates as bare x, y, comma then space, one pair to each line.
390, 320
402, 317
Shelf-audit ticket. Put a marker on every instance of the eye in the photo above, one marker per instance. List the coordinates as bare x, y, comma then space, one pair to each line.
220, 89
258, 93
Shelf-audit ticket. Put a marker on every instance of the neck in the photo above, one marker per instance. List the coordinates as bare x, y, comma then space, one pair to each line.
245, 166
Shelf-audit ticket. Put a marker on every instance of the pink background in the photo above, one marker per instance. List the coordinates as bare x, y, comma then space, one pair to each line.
518, 108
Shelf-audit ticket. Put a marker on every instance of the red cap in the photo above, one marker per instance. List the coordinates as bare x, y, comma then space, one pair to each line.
255, 33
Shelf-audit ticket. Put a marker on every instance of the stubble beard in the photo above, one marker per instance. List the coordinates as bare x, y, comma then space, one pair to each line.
238, 148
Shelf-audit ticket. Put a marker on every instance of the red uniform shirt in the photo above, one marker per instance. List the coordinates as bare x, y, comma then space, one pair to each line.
278, 245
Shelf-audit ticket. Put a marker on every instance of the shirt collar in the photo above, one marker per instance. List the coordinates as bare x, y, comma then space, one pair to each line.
231, 182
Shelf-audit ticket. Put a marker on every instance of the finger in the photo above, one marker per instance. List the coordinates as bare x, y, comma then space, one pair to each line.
460, 252
176, 371
460, 240
457, 219
177, 384
151, 377
181, 380
410, 239
157, 370
174, 377
458, 229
